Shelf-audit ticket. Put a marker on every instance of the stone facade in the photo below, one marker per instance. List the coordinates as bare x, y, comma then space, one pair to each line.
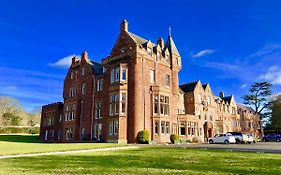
137, 88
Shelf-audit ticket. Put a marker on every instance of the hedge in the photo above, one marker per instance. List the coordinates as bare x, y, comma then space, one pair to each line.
17, 129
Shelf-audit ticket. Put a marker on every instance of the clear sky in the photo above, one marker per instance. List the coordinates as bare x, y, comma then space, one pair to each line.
229, 44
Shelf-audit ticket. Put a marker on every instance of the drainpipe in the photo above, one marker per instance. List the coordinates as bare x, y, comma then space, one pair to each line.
93, 105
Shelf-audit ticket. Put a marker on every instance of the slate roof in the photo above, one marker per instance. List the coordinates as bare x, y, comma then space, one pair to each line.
97, 68
204, 86
227, 99
170, 45
137, 39
189, 87
245, 108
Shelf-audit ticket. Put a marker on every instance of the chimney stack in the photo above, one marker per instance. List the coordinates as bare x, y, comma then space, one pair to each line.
160, 41
124, 25
221, 94
84, 55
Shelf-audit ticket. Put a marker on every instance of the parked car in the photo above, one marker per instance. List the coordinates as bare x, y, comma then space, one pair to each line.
239, 137
272, 137
250, 139
222, 138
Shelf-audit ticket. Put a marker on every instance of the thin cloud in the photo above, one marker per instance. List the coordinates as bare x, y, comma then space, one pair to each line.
273, 75
268, 49
64, 62
243, 86
202, 53
221, 66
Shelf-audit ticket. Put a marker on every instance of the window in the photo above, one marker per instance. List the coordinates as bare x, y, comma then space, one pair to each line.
124, 73
116, 104
156, 130
72, 92
97, 131
115, 128
68, 134
83, 71
117, 74
111, 104
164, 105
112, 76
174, 128
168, 80
83, 90
182, 129
152, 76
123, 103
98, 109
161, 104
211, 118
162, 127
167, 127
100, 85
156, 101
110, 127
70, 112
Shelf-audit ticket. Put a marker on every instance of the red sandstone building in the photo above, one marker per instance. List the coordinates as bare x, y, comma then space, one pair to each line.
136, 88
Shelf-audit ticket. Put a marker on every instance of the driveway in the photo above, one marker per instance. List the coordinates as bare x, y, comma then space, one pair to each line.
261, 147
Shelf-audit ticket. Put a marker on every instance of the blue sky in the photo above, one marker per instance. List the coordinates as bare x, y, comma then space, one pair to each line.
229, 44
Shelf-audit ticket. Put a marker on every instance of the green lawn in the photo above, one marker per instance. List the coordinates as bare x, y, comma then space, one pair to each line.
23, 144
147, 161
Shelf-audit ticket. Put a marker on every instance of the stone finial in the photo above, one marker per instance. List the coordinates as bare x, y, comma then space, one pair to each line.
124, 25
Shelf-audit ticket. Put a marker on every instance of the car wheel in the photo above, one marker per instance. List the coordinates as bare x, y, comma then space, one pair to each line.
237, 141
211, 141
226, 142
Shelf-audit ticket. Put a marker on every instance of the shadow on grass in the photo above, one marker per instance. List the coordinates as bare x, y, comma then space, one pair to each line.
151, 161
20, 138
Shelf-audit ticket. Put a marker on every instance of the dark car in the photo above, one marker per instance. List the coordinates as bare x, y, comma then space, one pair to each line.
272, 137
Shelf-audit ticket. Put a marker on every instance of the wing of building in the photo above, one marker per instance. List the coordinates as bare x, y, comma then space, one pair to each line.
137, 88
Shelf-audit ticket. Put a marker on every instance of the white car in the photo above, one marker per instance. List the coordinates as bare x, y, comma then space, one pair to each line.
250, 139
222, 138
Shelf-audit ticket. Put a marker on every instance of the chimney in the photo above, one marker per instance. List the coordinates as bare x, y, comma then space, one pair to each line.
74, 59
160, 41
221, 94
124, 25
84, 55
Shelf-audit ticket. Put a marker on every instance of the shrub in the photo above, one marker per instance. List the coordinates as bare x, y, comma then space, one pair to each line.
174, 137
143, 137
195, 140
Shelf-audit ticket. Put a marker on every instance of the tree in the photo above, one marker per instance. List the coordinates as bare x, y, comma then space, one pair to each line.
258, 97
10, 119
275, 120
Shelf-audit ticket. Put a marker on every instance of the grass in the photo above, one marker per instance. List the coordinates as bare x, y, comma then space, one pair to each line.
149, 160
24, 144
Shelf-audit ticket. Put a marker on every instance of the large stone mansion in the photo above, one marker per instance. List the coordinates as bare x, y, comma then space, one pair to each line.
136, 88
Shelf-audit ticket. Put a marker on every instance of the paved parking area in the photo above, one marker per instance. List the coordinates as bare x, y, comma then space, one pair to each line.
261, 147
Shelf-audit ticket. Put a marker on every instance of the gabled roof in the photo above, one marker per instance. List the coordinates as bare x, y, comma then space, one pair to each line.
137, 39
170, 45
205, 85
227, 99
245, 108
189, 87
97, 68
